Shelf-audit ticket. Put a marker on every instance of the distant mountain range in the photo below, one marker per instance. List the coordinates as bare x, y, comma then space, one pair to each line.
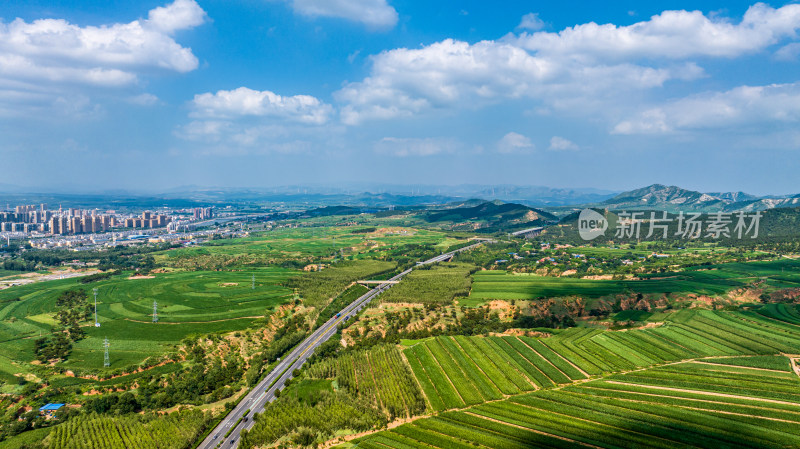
490, 216
379, 196
672, 198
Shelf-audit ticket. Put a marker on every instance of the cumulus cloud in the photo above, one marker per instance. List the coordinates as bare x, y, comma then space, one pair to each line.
179, 15
789, 52
247, 121
373, 13
738, 107
515, 143
531, 22
404, 82
414, 146
561, 144
243, 102
671, 34
585, 69
56, 51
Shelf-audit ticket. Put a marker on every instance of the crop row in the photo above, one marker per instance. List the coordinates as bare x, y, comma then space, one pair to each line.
461, 371
649, 408
92, 432
378, 375
458, 372
782, 312
690, 334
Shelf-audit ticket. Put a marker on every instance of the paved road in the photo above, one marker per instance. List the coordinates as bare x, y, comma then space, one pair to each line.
263, 393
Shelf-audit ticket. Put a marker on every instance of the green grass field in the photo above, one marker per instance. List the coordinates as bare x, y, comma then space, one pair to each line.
708, 280
8, 273
314, 242
189, 303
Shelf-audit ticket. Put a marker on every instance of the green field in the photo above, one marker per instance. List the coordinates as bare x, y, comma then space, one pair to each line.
358, 391
683, 405
318, 288
307, 242
189, 303
378, 375
702, 379
439, 284
455, 372
708, 280
175, 431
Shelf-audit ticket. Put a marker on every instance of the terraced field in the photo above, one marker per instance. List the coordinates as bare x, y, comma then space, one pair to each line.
457, 372
783, 312
699, 379
676, 406
708, 280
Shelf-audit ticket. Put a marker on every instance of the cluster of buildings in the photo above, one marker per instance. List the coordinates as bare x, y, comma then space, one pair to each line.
148, 220
203, 213
38, 219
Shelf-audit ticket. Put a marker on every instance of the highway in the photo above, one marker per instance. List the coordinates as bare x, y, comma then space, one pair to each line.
264, 392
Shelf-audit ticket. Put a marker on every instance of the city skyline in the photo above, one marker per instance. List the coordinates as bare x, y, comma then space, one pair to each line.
703, 95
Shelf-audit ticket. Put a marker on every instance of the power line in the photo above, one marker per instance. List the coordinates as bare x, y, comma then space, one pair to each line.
155, 311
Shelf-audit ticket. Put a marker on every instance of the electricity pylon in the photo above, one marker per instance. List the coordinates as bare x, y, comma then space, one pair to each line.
106, 359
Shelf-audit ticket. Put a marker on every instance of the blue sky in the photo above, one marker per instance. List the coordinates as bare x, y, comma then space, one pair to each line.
150, 95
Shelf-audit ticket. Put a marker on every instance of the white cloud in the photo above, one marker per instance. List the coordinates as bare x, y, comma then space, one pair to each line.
56, 51
229, 138
561, 144
404, 82
531, 22
46, 106
373, 13
243, 102
54, 66
179, 15
740, 107
588, 69
789, 52
671, 34
247, 121
515, 143
415, 147
144, 100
